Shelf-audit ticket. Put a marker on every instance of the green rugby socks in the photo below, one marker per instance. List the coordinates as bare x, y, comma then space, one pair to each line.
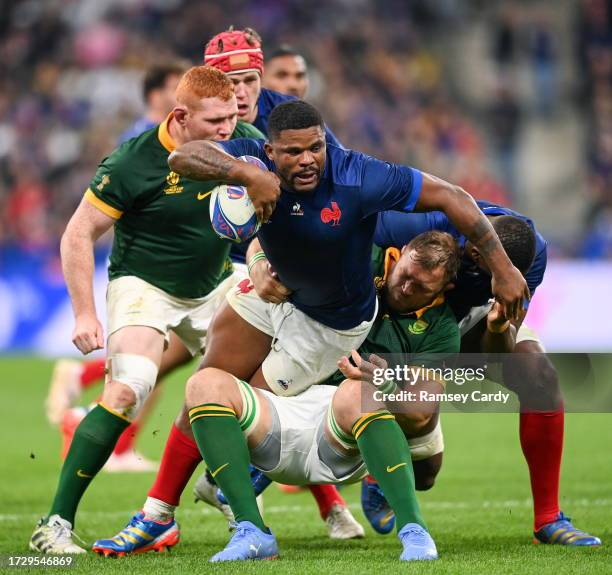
224, 449
92, 445
387, 457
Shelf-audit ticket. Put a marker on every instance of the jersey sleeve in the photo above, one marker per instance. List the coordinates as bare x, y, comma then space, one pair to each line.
535, 274
386, 186
109, 191
396, 229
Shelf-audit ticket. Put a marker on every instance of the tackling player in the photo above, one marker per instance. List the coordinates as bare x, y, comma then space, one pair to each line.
161, 237
321, 435
528, 371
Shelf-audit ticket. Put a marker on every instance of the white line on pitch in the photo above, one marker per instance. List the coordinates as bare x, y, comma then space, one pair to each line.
274, 509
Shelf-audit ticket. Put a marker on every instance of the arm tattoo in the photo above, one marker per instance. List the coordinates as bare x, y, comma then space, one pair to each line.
201, 161
484, 237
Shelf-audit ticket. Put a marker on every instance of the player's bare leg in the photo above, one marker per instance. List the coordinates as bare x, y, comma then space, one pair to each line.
135, 353
125, 458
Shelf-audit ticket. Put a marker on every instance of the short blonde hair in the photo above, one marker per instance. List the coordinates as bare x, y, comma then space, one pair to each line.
203, 82
433, 249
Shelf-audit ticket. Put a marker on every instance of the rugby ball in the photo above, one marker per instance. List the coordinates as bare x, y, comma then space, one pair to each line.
231, 211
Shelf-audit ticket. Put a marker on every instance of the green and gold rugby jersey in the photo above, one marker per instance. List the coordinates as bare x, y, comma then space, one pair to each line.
430, 330
163, 233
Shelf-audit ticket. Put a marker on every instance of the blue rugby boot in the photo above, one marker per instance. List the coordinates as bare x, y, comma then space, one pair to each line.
139, 536
375, 507
259, 481
562, 532
248, 542
418, 544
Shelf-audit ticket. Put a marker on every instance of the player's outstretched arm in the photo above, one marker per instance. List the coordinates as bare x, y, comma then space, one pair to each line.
204, 160
508, 284
84, 228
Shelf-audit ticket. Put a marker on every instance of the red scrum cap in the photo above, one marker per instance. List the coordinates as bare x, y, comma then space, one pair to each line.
235, 51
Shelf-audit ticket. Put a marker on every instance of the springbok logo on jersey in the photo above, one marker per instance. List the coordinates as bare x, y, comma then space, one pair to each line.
418, 327
172, 179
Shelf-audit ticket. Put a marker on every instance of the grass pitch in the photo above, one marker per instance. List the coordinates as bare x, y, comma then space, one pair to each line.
479, 512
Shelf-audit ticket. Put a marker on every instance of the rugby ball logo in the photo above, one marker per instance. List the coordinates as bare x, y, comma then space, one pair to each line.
232, 214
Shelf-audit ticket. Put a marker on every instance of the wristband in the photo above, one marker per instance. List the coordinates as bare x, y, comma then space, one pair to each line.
257, 257
501, 329
388, 386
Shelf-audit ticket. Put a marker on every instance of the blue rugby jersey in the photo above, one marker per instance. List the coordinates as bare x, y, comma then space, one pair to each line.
320, 242
473, 285
138, 127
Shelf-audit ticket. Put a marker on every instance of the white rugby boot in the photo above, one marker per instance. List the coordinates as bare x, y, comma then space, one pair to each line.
54, 537
342, 525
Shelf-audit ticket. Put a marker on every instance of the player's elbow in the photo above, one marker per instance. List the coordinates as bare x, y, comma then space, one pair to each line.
459, 195
177, 160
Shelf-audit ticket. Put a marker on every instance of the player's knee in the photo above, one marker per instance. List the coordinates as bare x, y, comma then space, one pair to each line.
182, 421
537, 383
132, 378
209, 385
546, 374
347, 404
118, 396
413, 422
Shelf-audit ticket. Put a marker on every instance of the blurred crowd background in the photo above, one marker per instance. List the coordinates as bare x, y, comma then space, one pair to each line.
511, 100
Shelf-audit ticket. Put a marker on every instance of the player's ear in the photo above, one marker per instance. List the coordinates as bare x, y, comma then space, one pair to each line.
475, 255
449, 286
268, 150
180, 114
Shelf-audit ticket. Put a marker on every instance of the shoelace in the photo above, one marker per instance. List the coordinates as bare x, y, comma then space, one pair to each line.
240, 532
421, 536
63, 535
567, 523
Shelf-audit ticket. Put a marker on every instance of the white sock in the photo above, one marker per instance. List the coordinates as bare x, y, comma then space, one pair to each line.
158, 510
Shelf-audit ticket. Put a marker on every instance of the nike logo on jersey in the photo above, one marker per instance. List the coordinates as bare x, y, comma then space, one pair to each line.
391, 469
202, 195
214, 473
81, 473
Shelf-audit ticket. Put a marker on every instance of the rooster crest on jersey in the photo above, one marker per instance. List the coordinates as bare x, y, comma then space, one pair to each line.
232, 213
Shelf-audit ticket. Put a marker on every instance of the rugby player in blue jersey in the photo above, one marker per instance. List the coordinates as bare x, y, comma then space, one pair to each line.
318, 240
528, 372
239, 54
